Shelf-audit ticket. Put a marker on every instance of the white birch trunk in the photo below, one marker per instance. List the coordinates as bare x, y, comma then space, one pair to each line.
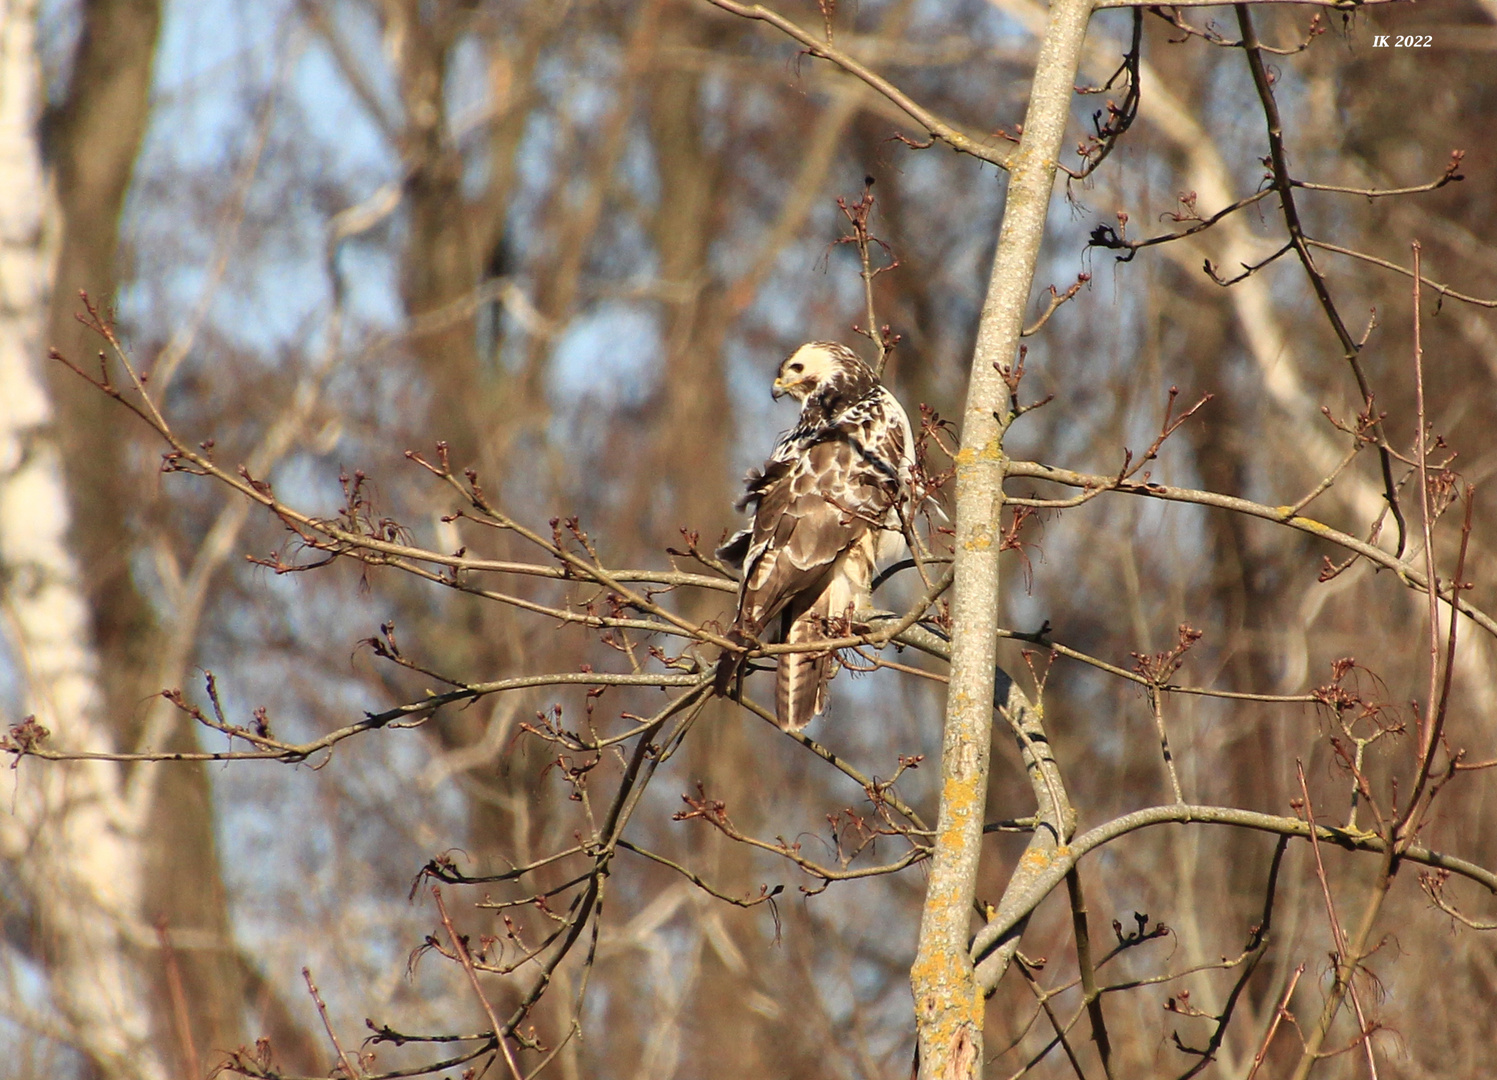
74, 850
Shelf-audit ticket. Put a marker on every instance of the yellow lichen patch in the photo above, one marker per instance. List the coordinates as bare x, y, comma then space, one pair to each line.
959, 800
1035, 859
946, 987
1287, 515
990, 453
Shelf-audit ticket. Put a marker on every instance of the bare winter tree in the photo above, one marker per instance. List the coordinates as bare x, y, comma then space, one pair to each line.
1199, 602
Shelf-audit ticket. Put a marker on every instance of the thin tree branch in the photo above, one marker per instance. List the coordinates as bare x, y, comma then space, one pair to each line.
1256, 948
1104, 236
1450, 175
1443, 290
1282, 183
460, 947
1407, 572
1043, 996
1091, 995
1348, 953
293, 753
1280, 1012
822, 48
1055, 869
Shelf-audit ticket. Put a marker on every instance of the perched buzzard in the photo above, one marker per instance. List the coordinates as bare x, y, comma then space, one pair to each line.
825, 509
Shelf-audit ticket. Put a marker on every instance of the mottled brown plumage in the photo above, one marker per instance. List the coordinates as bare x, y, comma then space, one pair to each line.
825, 511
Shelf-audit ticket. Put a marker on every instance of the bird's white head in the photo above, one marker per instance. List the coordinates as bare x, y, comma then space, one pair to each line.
814, 365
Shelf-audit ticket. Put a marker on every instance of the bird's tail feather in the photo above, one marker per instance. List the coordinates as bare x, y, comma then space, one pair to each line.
801, 679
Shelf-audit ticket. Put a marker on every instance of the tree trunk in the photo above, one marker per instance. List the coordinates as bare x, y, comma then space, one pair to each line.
948, 998
92, 141
75, 852
181, 941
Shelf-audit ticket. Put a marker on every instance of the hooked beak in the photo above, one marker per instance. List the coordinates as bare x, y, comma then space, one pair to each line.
778, 390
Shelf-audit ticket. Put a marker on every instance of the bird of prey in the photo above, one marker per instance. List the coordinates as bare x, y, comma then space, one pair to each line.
824, 510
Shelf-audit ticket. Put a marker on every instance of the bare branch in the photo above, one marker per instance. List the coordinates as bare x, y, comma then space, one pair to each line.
1407, 572
1091, 996
292, 753
823, 49
1055, 871
1443, 290
1451, 175
1283, 184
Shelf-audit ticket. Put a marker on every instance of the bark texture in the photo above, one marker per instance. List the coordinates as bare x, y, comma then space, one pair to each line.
196, 1001
948, 998
74, 845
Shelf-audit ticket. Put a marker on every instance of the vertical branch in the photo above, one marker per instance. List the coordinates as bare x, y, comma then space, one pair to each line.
1432, 719
1043, 997
350, 1065
857, 215
1284, 184
1421, 451
948, 998
1056, 819
1278, 1015
178, 993
1156, 699
878, 339
460, 947
1348, 953
1257, 947
1090, 993
1424, 792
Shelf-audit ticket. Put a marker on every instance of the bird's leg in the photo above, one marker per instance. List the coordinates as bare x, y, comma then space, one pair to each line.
733, 664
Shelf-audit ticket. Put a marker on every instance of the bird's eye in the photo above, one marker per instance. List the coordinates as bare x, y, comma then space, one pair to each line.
797, 368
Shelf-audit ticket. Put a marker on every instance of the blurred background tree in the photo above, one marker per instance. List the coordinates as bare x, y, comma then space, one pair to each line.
572, 241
